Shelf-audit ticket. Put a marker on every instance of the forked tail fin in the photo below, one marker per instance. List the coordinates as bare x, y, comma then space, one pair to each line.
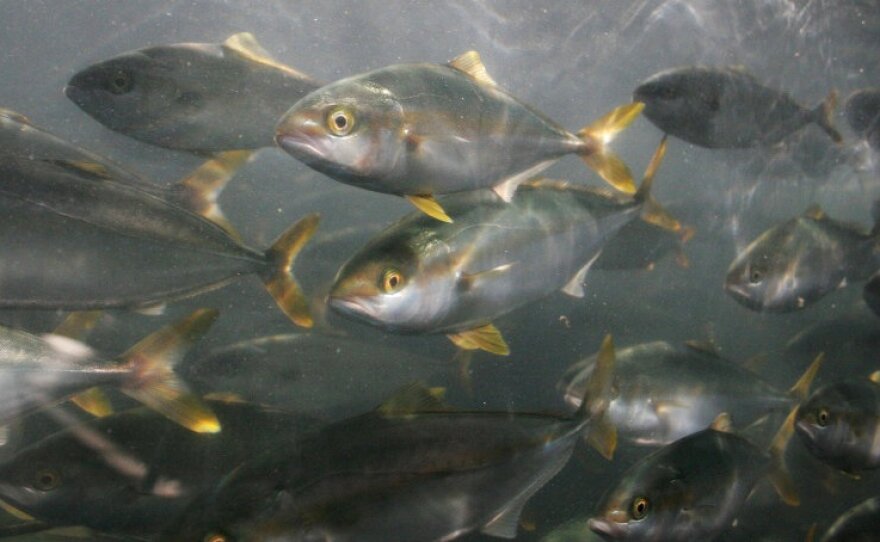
602, 132
279, 280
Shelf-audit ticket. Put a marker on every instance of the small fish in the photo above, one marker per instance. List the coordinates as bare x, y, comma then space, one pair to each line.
861, 523
693, 488
794, 264
132, 472
726, 108
36, 372
75, 239
424, 473
423, 130
862, 111
197, 97
424, 276
662, 393
840, 424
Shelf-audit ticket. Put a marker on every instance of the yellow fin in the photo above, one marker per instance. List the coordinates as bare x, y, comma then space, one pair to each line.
154, 382
471, 64
602, 436
815, 212
606, 128
78, 325
429, 206
801, 388
778, 476
280, 282
874, 377
414, 398
653, 212
612, 169
722, 423
486, 338
93, 401
245, 45
15, 512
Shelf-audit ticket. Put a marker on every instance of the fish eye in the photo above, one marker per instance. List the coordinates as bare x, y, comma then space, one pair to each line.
639, 508
756, 275
392, 280
120, 82
47, 479
340, 121
823, 417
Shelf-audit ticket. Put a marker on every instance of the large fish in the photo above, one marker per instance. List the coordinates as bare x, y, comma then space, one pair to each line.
726, 108
693, 488
424, 276
132, 472
198, 97
794, 264
36, 372
861, 523
422, 130
862, 112
840, 424
74, 238
662, 393
310, 373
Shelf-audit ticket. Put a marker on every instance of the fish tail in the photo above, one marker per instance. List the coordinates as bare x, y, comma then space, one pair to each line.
200, 190
601, 434
154, 382
779, 476
652, 211
602, 132
801, 389
279, 281
823, 116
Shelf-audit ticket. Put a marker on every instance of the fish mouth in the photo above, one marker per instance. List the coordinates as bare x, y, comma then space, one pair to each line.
301, 147
805, 429
607, 529
352, 306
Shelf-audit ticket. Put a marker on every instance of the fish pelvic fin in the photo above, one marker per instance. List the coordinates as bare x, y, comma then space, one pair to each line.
652, 211
200, 190
485, 337
601, 433
801, 389
779, 476
154, 382
600, 133
823, 115
428, 205
279, 280
94, 401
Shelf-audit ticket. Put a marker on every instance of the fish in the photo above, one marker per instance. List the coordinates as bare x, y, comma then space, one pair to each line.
861, 523
422, 276
693, 488
37, 372
796, 263
75, 239
862, 112
310, 373
416, 472
198, 97
424, 130
840, 424
132, 473
662, 393
727, 107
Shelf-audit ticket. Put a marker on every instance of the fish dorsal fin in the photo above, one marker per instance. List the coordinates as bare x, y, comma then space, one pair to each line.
722, 423
244, 45
15, 116
471, 64
815, 212
485, 337
703, 346
801, 388
428, 205
575, 286
874, 377
412, 398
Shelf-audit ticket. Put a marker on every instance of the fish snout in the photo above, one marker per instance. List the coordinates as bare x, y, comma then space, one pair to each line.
607, 529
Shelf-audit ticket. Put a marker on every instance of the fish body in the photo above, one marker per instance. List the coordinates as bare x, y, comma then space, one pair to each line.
794, 264
74, 239
197, 97
431, 129
861, 523
862, 111
133, 472
726, 108
662, 393
840, 424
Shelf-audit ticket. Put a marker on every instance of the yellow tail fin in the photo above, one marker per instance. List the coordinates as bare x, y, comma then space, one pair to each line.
279, 281
602, 132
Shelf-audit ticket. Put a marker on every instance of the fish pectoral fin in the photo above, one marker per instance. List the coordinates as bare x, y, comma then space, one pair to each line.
470, 281
412, 398
78, 325
428, 205
471, 64
486, 338
279, 280
575, 286
94, 401
507, 187
85, 168
15, 512
156, 309
245, 45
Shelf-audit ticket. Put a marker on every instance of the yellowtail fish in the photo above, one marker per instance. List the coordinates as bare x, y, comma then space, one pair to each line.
198, 97
424, 276
423, 130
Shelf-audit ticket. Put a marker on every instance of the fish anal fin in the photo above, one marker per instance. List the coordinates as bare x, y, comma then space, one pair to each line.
93, 401
575, 286
485, 337
245, 45
279, 280
815, 212
602, 437
428, 205
801, 388
471, 64
78, 325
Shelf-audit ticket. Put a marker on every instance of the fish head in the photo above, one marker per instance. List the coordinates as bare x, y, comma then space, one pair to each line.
391, 285
782, 270
836, 424
351, 130
681, 102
